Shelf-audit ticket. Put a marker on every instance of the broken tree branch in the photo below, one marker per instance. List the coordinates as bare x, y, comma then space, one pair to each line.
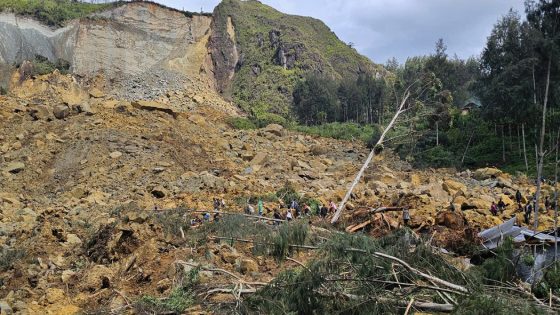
373, 153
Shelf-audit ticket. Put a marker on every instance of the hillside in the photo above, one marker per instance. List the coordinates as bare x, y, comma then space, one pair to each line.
267, 51
106, 172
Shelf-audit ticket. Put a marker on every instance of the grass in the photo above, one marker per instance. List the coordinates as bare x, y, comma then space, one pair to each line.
271, 90
8, 257
180, 298
56, 13
52, 12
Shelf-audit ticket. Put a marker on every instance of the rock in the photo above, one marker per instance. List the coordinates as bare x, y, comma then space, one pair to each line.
138, 216
153, 106
159, 192
164, 285
84, 108
97, 277
73, 239
318, 150
96, 93
67, 275
54, 295
248, 266
14, 167
452, 187
39, 112
115, 154
452, 220
5, 308
61, 111
259, 159
229, 256
275, 129
486, 173
10, 198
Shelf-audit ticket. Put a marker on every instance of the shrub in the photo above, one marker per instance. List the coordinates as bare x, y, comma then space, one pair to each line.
501, 267
8, 257
550, 281
181, 298
242, 123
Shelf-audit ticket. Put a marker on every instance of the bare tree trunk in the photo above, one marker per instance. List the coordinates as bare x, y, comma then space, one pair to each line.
373, 153
437, 134
518, 141
557, 161
525, 149
468, 144
503, 145
541, 148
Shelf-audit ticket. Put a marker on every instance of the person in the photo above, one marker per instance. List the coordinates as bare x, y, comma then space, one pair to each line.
277, 216
260, 207
324, 211
306, 209
206, 217
216, 204
294, 205
494, 208
289, 215
501, 205
297, 212
546, 203
217, 217
332, 206
406, 216
518, 196
528, 211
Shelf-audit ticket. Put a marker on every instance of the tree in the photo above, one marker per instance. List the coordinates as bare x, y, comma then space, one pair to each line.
544, 17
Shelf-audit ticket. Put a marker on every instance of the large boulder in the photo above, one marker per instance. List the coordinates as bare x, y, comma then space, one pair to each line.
452, 187
275, 129
61, 111
486, 173
14, 167
452, 220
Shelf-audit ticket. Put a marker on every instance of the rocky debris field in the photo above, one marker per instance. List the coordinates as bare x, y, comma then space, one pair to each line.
81, 174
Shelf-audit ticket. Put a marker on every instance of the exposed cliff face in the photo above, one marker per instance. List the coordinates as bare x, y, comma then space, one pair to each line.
269, 51
248, 52
130, 45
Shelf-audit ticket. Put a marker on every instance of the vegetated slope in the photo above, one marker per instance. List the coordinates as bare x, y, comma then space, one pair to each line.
143, 50
266, 51
53, 13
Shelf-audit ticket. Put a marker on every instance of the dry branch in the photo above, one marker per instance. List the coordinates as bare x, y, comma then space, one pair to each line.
373, 153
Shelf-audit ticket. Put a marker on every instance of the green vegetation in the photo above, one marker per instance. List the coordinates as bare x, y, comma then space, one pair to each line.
181, 298
52, 12
8, 257
263, 83
549, 282
42, 65
56, 13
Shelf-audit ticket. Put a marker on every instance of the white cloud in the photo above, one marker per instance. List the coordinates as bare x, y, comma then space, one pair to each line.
381, 29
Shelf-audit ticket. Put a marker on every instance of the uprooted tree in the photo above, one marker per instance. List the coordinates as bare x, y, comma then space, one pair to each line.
418, 94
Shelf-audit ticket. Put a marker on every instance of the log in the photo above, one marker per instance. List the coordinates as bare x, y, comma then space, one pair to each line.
354, 228
422, 274
235, 213
373, 153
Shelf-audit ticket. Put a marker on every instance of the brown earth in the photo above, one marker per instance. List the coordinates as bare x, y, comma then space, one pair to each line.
78, 192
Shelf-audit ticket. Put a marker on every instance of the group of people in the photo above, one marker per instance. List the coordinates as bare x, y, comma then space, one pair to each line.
527, 209
293, 211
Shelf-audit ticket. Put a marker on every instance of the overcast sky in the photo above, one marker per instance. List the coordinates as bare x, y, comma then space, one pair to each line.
381, 29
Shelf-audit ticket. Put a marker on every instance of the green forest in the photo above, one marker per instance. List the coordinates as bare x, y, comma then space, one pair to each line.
460, 113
